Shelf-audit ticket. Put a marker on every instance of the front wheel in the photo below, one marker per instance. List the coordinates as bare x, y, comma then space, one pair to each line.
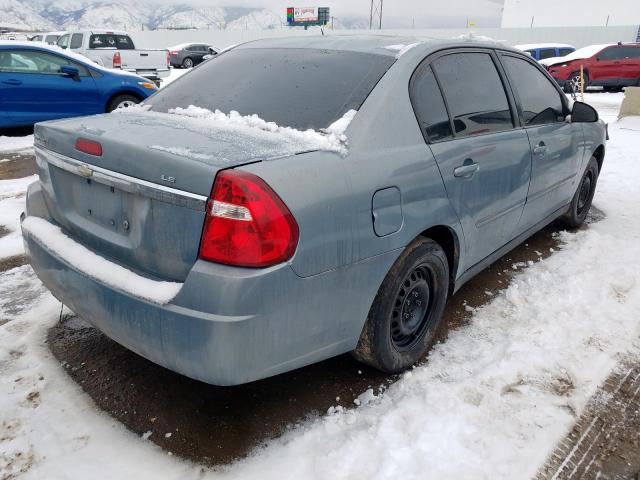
573, 83
407, 309
122, 101
581, 202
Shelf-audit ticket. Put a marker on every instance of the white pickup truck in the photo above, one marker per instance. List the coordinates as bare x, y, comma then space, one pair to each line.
115, 49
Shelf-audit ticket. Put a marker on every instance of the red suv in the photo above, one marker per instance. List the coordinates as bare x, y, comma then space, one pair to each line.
610, 66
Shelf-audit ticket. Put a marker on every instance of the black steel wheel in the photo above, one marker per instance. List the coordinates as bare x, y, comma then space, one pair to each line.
581, 202
407, 309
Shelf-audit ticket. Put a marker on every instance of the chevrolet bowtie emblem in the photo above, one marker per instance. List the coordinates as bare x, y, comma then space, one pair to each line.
85, 170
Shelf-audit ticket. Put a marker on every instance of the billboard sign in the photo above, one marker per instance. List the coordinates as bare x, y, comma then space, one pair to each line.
307, 16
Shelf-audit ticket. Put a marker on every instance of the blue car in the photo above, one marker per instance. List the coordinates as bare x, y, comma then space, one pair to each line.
41, 82
543, 51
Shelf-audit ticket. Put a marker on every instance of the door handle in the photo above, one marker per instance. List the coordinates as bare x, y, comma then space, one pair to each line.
540, 149
466, 170
12, 81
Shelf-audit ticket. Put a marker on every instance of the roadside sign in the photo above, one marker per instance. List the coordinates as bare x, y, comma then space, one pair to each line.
307, 16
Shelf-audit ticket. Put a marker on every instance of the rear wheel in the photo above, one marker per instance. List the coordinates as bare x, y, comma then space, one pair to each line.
122, 101
407, 309
581, 202
187, 63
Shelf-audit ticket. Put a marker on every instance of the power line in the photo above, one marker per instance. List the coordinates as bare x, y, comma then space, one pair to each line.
375, 15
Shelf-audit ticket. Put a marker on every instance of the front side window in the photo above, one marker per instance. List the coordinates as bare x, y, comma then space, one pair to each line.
547, 53
52, 39
540, 100
110, 40
29, 61
565, 51
299, 88
63, 41
612, 53
474, 93
429, 105
76, 41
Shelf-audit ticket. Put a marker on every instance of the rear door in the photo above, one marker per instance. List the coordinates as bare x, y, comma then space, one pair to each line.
33, 89
630, 65
484, 159
555, 144
607, 70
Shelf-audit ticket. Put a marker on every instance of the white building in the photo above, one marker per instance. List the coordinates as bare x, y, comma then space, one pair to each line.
570, 13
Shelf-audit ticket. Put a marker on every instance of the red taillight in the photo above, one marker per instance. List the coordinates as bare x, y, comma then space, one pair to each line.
174, 53
89, 146
247, 224
117, 61
169, 58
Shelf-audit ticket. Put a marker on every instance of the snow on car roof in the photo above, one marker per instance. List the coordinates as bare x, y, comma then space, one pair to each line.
55, 49
532, 46
180, 46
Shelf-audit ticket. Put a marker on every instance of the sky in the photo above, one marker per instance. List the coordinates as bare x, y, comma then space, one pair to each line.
396, 13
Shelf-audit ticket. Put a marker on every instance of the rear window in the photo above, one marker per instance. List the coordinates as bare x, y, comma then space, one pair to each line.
107, 40
299, 88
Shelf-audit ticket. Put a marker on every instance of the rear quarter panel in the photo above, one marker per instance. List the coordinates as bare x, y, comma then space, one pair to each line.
331, 195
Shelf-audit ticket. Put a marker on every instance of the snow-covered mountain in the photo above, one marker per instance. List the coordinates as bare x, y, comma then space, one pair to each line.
138, 15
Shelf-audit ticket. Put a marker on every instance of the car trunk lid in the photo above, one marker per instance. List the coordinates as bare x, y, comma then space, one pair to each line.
142, 201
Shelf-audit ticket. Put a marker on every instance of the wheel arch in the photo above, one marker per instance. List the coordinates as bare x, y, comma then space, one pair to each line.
121, 92
598, 153
447, 238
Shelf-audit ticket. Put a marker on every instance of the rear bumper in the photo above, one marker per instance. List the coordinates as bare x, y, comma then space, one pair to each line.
226, 326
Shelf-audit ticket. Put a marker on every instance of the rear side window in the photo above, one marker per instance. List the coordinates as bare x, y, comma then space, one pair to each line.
547, 53
76, 41
565, 51
109, 40
474, 93
540, 101
429, 105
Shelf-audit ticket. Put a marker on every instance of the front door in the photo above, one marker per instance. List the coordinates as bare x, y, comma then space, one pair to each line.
486, 162
556, 145
33, 89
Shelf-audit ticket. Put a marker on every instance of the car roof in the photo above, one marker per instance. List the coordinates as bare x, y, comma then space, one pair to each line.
390, 45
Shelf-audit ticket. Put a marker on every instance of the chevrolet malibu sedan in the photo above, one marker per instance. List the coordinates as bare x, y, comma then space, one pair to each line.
322, 195
41, 82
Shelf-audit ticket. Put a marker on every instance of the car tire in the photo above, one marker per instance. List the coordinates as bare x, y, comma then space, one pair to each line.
122, 101
574, 79
613, 89
407, 309
187, 63
581, 202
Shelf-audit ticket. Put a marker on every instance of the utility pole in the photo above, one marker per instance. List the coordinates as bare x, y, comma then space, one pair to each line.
375, 14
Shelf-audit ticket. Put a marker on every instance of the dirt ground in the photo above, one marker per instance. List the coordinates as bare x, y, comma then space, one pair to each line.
16, 165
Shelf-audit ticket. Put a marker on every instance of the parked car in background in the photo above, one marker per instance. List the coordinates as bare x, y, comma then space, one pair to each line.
50, 38
612, 66
236, 250
115, 49
41, 82
540, 51
187, 55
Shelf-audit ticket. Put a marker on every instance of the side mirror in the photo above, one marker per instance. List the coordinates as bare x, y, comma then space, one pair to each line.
70, 71
583, 113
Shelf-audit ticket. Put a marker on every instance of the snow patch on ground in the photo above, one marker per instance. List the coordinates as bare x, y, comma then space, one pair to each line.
12, 204
97, 267
16, 144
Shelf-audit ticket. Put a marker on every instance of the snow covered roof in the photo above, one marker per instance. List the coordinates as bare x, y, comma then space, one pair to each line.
532, 46
67, 53
581, 53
